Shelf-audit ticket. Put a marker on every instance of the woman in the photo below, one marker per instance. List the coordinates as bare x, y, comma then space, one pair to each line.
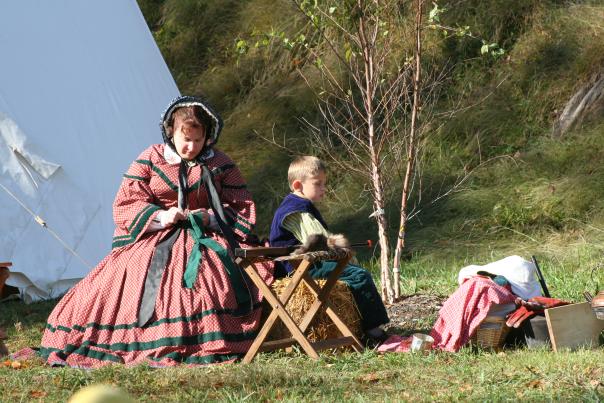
169, 291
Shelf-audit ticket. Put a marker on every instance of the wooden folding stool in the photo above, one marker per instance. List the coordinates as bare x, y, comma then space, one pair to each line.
302, 263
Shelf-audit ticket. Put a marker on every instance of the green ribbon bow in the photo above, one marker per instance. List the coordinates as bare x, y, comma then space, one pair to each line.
242, 293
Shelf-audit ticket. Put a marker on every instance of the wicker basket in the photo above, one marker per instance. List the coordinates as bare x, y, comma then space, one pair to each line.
491, 333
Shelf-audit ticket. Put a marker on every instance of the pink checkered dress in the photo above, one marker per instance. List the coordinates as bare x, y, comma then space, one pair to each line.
96, 321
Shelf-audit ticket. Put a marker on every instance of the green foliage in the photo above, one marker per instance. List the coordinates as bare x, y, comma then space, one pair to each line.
543, 189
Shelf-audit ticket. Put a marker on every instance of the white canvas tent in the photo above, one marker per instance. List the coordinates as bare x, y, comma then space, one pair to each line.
82, 88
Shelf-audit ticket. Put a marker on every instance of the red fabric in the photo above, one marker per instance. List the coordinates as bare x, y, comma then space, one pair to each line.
95, 322
395, 344
459, 317
530, 308
465, 309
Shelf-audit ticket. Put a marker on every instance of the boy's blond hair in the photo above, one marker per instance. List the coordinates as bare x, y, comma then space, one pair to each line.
304, 167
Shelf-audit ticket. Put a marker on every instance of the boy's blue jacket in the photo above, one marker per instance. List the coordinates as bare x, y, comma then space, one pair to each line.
279, 236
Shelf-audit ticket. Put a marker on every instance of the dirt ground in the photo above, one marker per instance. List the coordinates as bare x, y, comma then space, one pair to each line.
413, 313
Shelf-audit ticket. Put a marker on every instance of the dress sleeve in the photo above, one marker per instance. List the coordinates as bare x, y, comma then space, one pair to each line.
239, 208
302, 225
135, 205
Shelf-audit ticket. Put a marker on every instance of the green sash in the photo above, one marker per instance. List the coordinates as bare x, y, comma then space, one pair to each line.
195, 228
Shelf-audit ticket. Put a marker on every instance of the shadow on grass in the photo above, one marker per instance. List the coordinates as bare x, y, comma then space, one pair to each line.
24, 324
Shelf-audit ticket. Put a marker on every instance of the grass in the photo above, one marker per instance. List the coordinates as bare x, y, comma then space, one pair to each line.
467, 375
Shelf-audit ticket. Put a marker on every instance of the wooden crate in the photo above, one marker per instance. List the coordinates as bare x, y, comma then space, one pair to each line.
573, 326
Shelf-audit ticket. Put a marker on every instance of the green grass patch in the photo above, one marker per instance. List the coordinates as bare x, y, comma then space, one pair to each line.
467, 375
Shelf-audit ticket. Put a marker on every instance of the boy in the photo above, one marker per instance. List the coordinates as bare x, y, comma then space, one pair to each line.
297, 218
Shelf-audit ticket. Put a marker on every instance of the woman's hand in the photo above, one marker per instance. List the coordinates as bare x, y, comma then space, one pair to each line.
205, 216
172, 216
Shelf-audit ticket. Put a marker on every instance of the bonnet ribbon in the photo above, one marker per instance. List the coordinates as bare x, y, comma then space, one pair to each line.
194, 225
236, 276
161, 254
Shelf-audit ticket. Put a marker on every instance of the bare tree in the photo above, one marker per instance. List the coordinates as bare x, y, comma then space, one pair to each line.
364, 99
411, 150
370, 94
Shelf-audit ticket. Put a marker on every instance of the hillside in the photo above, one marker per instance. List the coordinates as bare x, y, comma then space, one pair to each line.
527, 191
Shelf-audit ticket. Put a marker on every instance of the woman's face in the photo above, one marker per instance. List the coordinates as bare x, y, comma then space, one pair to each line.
189, 138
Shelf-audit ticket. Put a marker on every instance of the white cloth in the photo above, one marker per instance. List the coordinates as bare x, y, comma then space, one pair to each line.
78, 102
521, 274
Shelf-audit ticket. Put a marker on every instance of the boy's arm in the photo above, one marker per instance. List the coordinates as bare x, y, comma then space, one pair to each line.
302, 225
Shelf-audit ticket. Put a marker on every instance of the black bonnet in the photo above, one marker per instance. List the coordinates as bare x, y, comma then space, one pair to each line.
212, 132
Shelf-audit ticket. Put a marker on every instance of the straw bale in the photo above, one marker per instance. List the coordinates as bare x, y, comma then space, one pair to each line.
322, 327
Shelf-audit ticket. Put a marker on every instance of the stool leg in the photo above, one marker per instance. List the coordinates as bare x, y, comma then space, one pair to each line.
322, 295
345, 330
268, 325
278, 310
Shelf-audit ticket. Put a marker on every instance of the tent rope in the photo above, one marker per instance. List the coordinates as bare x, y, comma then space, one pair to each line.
43, 223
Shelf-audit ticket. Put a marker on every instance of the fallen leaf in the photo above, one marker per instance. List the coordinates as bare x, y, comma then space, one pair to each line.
15, 365
369, 378
18, 326
37, 394
595, 383
535, 384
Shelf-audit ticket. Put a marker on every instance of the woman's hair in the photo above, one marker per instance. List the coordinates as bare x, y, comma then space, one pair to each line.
304, 167
190, 116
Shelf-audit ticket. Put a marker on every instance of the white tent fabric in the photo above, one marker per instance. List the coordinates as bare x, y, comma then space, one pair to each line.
82, 89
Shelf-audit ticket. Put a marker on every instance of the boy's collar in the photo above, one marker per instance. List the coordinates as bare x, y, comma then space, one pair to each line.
300, 196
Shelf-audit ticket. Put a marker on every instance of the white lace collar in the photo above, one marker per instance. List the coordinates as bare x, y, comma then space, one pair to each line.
173, 158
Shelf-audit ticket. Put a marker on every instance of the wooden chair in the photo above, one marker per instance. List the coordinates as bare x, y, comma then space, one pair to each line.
4, 273
246, 258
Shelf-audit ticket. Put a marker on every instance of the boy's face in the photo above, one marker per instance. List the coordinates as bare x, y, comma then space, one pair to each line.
313, 187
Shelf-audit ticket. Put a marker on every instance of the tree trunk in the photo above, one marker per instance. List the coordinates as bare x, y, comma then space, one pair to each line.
380, 218
368, 46
400, 241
